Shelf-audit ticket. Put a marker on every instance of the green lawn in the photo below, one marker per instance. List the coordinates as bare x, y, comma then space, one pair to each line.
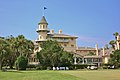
61, 75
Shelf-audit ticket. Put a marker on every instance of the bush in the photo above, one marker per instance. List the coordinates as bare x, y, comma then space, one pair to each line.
71, 67
81, 66
115, 59
31, 66
49, 68
21, 63
41, 67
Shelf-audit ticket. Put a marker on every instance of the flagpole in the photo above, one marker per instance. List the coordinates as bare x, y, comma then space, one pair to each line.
43, 12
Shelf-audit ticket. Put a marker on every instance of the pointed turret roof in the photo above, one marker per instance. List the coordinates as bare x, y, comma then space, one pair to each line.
43, 21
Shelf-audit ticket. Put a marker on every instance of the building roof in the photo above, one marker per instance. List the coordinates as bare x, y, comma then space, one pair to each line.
61, 35
43, 21
107, 52
86, 48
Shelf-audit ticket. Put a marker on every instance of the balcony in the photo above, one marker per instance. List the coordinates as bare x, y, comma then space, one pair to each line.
38, 30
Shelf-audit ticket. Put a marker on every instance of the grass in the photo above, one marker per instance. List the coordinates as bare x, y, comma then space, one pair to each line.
96, 75
61, 75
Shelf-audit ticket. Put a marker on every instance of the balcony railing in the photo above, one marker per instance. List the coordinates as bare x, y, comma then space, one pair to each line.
42, 30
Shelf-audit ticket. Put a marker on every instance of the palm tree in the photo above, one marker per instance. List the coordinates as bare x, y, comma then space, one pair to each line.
116, 34
12, 53
15, 47
29, 47
112, 43
4, 51
19, 46
25, 47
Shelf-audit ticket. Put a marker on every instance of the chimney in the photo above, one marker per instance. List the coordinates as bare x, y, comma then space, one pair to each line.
52, 31
96, 47
103, 51
60, 31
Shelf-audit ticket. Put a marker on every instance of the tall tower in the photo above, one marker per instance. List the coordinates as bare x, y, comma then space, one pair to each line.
42, 30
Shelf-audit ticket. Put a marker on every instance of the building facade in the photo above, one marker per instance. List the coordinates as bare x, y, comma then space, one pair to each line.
68, 42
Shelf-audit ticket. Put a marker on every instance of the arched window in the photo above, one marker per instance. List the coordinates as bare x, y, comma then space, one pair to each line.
40, 37
43, 26
40, 26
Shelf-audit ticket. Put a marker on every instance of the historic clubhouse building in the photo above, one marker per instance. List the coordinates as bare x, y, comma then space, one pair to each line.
68, 42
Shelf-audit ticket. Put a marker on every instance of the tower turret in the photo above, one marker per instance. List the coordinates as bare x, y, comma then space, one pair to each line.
42, 30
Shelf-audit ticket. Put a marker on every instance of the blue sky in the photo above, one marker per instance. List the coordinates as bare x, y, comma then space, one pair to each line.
93, 21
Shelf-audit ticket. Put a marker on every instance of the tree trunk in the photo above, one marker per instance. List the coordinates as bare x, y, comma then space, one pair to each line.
11, 63
0, 64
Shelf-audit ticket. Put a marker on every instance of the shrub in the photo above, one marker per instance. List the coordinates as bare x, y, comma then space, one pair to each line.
21, 63
81, 66
49, 68
31, 66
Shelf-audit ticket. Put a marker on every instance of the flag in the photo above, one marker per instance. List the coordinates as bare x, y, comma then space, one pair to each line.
45, 8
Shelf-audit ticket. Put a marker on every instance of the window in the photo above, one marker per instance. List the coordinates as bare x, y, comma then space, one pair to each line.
39, 27
72, 45
72, 39
40, 37
89, 60
95, 59
43, 26
65, 45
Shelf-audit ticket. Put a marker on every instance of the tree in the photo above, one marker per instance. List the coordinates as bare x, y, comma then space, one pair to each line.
116, 34
66, 59
23, 46
115, 59
106, 46
12, 53
112, 43
49, 55
4, 51
20, 46
21, 63
52, 54
15, 47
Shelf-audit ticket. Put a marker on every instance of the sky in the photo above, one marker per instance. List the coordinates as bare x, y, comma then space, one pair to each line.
93, 21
